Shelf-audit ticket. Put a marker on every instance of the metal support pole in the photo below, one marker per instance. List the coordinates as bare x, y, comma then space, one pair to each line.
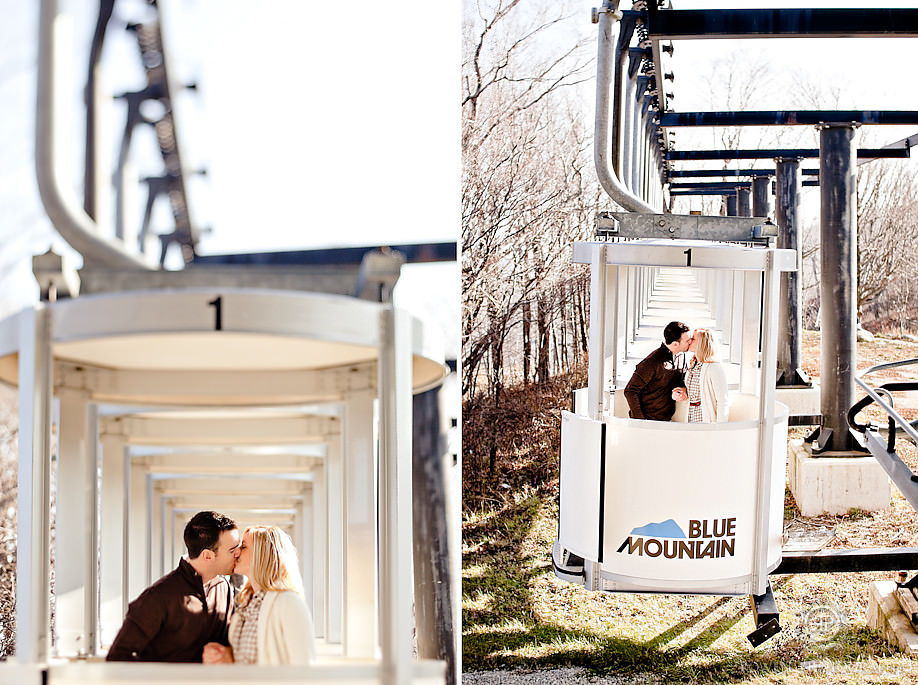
790, 319
360, 637
335, 588
306, 545
597, 344
761, 196
614, 317
396, 528
111, 539
137, 552
838, 281
432, 586
750, 326
33, 601
75, 582
320, 569
764, 476
736, 317
731, 205
742, 202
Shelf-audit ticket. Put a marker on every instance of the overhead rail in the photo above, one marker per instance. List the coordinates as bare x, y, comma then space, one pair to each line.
608, 71
668, 24
716, 185
802, 153
414, 253
788, 118
719, 188
723, 173
663, 25
71, 220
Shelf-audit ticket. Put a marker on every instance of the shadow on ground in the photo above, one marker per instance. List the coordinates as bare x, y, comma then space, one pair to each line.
502, 628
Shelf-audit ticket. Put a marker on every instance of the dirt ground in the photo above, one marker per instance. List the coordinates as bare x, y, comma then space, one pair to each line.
869, 354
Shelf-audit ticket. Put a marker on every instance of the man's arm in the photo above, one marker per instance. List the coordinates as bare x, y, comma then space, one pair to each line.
141, 625
635, 389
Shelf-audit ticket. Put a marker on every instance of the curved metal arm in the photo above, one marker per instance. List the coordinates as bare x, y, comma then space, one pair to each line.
606, 59
71, 221
873, 395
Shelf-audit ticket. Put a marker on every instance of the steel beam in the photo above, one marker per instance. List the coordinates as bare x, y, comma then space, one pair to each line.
848, 560
729, 194
728, 186
731, 173
788, 118
781, 23
334, 256
801, 153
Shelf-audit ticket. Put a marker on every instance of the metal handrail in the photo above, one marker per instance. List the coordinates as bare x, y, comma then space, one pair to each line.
888, 408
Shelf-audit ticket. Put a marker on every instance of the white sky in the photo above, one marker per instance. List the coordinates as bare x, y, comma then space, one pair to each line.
321, 124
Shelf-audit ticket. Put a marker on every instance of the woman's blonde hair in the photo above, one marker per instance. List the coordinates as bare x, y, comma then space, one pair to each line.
274, 562
705, 346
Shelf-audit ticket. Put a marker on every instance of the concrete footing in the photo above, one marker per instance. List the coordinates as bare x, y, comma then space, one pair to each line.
801, 400
885, 616
835, 482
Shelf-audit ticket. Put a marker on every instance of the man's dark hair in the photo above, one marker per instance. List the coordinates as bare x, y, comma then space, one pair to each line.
203, 531
674, 331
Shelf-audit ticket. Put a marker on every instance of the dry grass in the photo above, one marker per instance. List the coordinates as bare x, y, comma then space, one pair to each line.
516, 613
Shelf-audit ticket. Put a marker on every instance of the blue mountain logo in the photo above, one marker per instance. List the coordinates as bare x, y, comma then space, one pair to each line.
666, 529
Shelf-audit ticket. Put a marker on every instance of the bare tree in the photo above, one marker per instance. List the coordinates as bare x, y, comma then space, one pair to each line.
9, 434
523, 183
887, 234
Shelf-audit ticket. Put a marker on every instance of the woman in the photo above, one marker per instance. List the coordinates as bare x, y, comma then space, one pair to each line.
271, 623
706, 381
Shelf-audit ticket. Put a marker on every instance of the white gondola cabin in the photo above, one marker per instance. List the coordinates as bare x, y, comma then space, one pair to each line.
673, 507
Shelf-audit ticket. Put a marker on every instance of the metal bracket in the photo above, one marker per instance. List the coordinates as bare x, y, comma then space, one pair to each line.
763, 632
596, 11
765, 610
821, 440
796, 378
685, 226
910, 584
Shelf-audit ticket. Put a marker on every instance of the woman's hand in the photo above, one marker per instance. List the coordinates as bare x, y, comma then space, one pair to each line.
215, 653
680, 394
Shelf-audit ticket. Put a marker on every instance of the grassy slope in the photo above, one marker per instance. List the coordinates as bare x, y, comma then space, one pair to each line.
516, 613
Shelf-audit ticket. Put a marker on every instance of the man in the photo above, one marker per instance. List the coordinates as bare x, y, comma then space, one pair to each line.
650, 392
175, 617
